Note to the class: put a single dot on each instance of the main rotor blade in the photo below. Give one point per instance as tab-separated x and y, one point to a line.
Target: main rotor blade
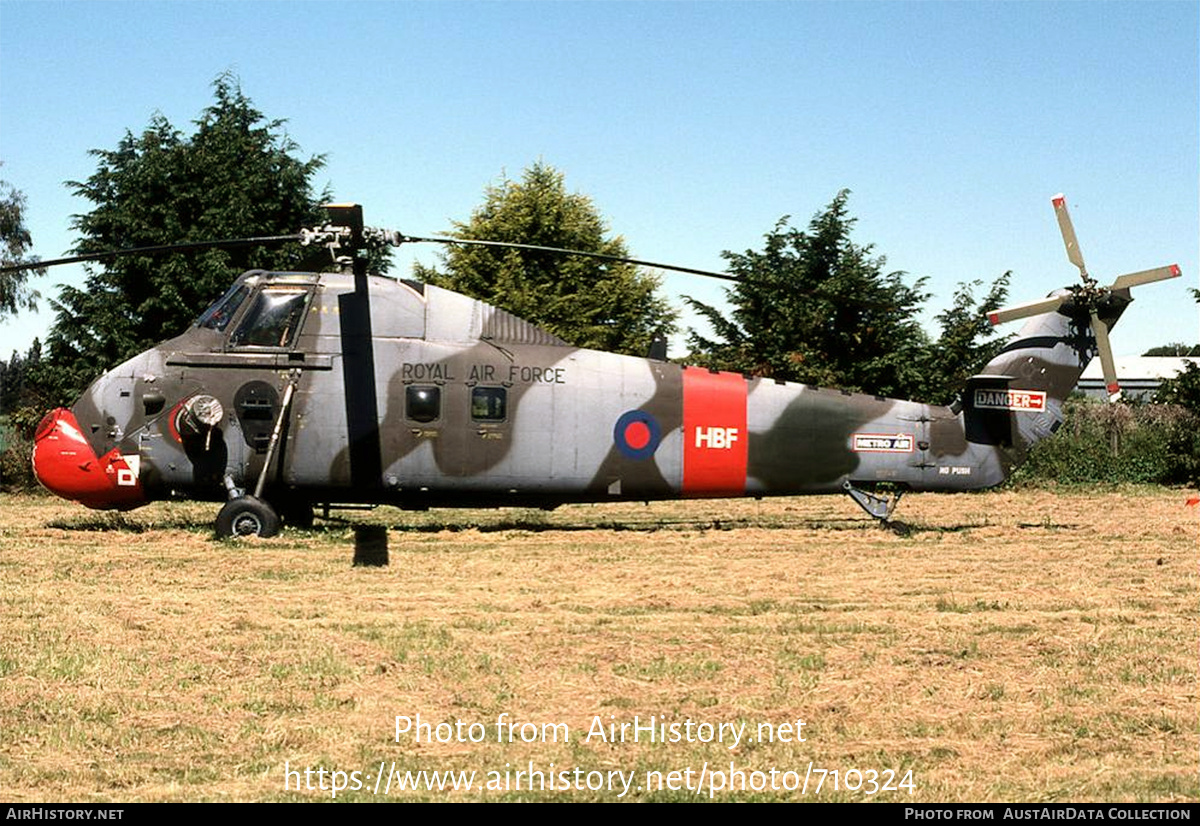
1133	279
229	243
400	238
1031	308
1107	364
597	255
1074	255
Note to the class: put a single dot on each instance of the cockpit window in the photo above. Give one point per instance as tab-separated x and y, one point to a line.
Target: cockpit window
273	319
218	316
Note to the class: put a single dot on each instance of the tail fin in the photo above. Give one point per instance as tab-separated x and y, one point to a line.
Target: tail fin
1018	399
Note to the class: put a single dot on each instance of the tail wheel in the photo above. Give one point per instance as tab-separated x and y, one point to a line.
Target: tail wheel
247	516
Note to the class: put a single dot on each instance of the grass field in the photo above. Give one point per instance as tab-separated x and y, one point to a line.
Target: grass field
1010	646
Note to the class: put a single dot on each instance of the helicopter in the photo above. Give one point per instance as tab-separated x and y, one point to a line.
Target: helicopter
298	390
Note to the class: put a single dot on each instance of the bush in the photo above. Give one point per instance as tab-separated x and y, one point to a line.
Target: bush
1112	443
16	447
1183	389
16	470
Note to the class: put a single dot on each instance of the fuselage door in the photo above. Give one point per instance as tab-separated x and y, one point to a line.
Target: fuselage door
265	336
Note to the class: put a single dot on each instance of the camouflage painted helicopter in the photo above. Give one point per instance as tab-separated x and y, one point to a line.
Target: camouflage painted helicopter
295	390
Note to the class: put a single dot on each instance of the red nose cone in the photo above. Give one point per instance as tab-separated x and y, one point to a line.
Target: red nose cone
65	464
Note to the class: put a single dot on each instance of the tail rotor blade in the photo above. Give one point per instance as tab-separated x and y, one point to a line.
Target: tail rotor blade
1133	279
1106	357
1074	255
1032	308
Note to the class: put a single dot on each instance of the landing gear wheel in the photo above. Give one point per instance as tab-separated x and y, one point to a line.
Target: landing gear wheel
247	516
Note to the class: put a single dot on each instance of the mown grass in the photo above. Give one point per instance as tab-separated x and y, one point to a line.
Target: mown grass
1028	645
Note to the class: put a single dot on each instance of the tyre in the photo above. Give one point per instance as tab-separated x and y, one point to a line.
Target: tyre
247	516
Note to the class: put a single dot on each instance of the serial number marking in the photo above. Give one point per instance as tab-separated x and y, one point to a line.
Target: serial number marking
717	438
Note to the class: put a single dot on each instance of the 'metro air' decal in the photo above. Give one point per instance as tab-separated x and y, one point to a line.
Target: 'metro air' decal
715	441
1033	400
882	443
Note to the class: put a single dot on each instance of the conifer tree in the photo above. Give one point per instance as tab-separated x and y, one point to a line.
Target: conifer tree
815	307
966	343
235	177
812	306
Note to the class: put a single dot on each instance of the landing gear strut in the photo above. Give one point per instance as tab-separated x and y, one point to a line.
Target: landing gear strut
880	507
246	515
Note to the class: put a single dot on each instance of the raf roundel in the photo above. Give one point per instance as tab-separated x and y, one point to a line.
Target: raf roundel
637	434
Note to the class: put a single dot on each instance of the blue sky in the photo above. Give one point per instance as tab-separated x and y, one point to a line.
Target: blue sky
693	126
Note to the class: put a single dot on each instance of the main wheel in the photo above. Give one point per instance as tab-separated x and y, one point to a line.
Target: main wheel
247	516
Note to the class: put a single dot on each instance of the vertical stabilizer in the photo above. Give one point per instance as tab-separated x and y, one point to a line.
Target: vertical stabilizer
1018	399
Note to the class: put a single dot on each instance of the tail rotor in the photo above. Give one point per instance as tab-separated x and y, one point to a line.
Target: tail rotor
1088	296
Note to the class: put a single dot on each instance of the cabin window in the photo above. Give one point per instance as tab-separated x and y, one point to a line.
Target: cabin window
423	404
489	404
218	316
273	319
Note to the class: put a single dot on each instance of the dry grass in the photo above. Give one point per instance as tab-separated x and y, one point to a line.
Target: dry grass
1024	646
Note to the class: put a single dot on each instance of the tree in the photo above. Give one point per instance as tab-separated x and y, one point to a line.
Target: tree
967	342
15	293
15	388
235	177
1183	389
817	308
1175	348
589	303
22	406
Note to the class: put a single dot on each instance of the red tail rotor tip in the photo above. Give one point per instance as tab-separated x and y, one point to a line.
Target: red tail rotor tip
1059	200
1175	271
995	319
1114	388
